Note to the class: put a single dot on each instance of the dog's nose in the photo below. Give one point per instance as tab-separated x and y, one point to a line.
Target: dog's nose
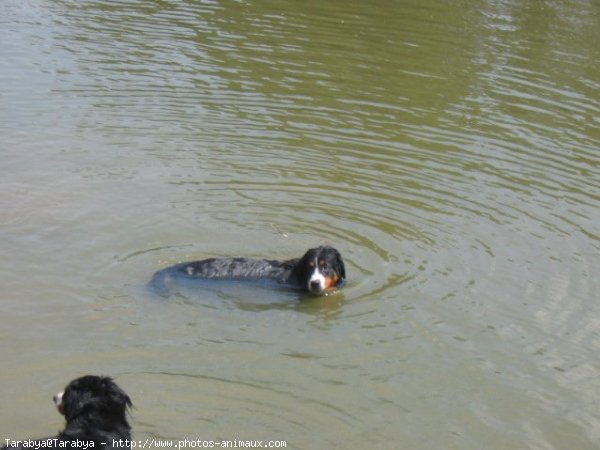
315	286
57	398
58	401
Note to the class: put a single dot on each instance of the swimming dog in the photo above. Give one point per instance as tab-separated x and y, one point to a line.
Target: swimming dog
319	270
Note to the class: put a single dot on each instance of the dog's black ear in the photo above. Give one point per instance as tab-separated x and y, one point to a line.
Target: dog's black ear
340	266
300	268
115	395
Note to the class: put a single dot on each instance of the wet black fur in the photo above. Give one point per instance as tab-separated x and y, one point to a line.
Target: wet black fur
95	409
293	271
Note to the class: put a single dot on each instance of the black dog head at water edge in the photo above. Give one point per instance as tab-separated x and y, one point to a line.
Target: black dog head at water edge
320	269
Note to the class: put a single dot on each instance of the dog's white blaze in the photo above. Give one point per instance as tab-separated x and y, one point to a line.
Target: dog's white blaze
316	276
58	398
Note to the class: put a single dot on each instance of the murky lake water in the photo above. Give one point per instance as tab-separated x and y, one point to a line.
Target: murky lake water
449	151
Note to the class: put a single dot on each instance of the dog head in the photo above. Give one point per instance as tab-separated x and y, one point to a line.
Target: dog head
320	269
92	395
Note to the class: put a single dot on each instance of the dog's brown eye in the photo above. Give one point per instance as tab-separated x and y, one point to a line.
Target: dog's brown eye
311	264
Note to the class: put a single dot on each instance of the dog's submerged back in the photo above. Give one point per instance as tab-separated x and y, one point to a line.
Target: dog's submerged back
318	270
